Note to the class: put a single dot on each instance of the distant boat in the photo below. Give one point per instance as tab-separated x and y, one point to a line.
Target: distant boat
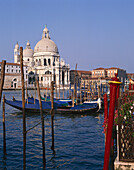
65	101
99	102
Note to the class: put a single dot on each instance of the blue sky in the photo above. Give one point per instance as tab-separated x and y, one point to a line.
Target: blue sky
91	33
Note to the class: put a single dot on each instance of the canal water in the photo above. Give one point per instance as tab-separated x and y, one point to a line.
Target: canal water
79	140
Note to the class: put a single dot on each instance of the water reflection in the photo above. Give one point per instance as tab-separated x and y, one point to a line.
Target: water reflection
79	141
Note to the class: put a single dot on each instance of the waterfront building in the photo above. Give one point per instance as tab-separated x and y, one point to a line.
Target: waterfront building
97	77
130	76
105	74
13	76
44	61
81	76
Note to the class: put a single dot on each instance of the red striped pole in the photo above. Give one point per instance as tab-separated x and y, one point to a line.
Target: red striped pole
114	83
129	88
105	111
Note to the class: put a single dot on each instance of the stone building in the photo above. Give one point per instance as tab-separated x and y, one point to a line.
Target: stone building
44	61
13	76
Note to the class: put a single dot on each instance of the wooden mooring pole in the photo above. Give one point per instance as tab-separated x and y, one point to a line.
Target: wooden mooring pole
23	108
2	77
76	91
26	92
59	89
52	115
99	95
42	120
4	129
35	93
56	91
80	93
63	91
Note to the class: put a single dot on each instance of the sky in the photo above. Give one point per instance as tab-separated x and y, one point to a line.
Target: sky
89	33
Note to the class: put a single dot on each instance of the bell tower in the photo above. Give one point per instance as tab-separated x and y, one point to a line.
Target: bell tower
16	54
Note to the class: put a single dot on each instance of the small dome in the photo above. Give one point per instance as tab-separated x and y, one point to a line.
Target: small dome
46	45
17	46
28	52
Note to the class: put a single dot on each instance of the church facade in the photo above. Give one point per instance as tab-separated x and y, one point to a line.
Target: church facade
44	61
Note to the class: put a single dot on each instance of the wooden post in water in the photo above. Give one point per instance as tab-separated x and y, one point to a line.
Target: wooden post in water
75	81
42	120
88	92
63	90
52	115
80	93
4	129
56	88
26	92
99	92
47	91
56	91
84	91
35	93
23	108
59	90
76	90
2	77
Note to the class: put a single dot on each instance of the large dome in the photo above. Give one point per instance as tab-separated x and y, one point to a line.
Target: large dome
46	45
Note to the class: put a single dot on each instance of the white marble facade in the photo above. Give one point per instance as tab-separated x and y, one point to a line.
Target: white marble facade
45	62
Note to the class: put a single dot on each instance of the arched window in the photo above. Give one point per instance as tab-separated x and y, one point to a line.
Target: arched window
15	79
45	62
49	61
48	72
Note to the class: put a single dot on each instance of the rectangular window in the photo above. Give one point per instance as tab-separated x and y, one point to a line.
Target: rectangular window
12	70
41	78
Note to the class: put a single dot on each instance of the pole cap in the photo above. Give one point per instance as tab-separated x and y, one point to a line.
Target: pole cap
115	80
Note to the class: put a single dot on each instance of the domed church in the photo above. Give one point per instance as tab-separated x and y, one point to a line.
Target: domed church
45	62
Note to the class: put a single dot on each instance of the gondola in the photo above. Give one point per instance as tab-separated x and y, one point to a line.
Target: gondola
59	106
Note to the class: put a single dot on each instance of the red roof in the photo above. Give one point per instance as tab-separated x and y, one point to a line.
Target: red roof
81	71
101	68
13	64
